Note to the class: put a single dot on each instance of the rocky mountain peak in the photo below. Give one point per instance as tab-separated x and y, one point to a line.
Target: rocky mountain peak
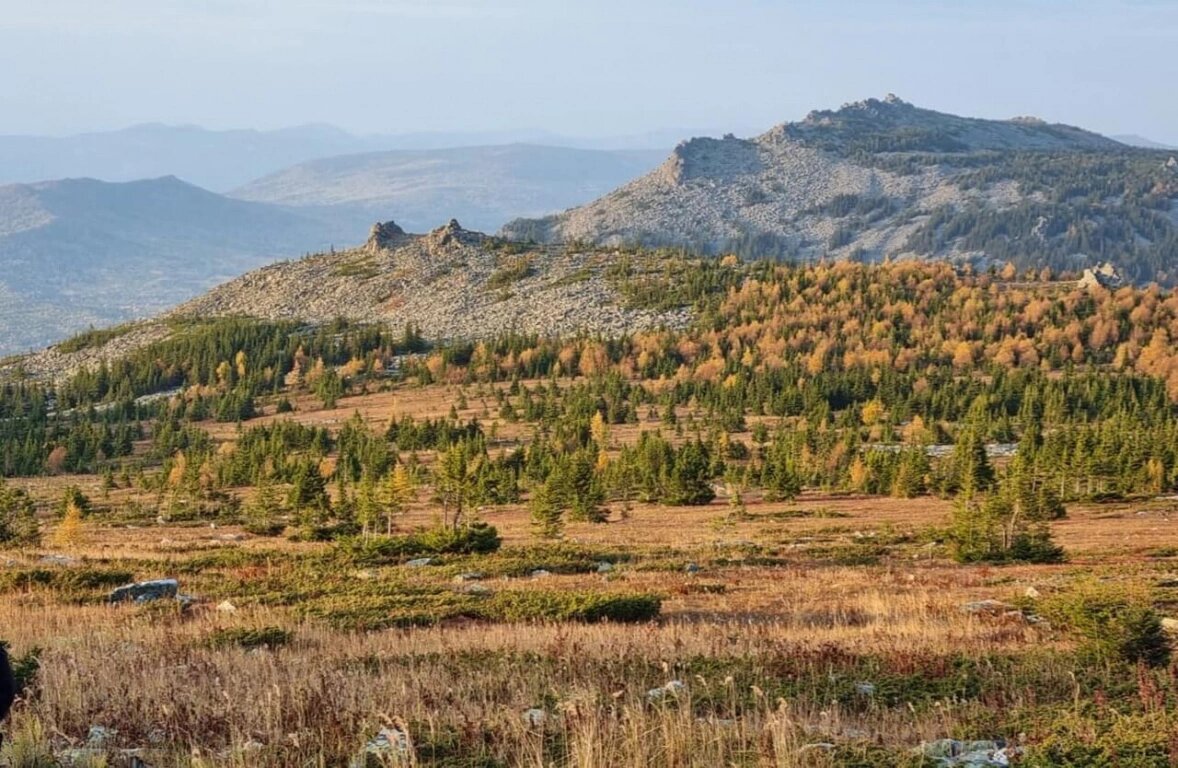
873	179
384	235
443	241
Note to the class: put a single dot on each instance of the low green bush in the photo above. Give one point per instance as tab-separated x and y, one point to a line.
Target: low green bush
571	606
477	538
79	583
1117	621
244	637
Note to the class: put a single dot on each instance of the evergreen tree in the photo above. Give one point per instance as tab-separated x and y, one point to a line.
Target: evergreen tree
308	494
18	519
911	473
973	473
547	515
690	479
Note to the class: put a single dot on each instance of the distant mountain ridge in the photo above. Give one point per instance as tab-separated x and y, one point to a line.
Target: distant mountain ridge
483	186
884	178
221	160
215	160
1133	140
82	252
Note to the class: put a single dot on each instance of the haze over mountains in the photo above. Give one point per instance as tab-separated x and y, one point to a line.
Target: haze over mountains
82	252
484	187
223	160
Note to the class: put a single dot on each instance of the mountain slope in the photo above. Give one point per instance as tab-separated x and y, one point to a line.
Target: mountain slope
882	178
451	283
1133	140
81	252
483	186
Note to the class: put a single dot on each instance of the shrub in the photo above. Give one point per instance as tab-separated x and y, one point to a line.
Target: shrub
1117	621
73	584
476	538
243	637
571	606
18	519
511	272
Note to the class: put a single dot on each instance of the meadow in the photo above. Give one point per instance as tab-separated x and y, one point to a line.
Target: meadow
829	629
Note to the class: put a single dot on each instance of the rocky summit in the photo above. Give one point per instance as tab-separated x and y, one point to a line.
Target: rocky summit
884	178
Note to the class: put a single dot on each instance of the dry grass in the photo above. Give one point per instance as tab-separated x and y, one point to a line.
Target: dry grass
793	605
753	655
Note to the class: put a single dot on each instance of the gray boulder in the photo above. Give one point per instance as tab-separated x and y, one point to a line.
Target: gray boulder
145	591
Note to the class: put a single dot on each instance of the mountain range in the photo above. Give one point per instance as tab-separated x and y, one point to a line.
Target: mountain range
885	179
79	252
872	180
223	160
82	252
481	186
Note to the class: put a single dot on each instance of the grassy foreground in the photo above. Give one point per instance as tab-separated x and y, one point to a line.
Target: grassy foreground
829	630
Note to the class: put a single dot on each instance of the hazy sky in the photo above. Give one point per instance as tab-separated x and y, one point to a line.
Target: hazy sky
581	67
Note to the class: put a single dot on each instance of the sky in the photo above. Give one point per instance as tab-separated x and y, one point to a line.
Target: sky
579	67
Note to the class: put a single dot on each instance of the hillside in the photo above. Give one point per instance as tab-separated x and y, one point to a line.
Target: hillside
883	178
482	186
1141	142
451	283
81	252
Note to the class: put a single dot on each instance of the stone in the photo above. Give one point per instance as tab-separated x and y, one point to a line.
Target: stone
468	576
100	736
81	756
604	567
383	235
420	562
671	689
61	560
987	608
145	591
969	754
691	568
390	743
535	717
540	573
865	689
226	607
824	746
1170	624
1031	593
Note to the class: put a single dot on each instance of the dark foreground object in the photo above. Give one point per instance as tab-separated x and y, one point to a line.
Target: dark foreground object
7	687
7	684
